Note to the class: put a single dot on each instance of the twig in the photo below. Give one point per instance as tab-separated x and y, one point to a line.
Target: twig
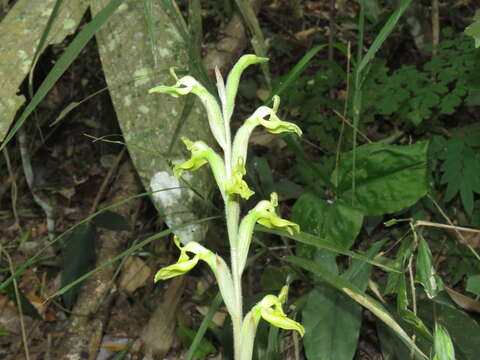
19	304
455	228
14	189
106	181
365	137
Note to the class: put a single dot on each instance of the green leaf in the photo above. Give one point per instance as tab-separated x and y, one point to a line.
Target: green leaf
383	34
463	329
388	178
112	221
425	273
473	30
320	243
406	314
337	223
332	319
357	294
473	284
196	341
78	259
461	171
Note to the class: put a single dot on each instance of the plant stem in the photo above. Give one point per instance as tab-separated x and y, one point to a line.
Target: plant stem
232	208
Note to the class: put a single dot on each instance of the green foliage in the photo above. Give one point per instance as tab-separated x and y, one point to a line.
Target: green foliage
460	166
79	255
410	95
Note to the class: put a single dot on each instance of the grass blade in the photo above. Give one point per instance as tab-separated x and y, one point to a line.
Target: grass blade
298	69
383	34
147	5
320	243
215	304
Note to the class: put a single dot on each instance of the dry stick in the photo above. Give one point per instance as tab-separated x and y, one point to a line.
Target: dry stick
19	304
107	180
452	226
412	287
345	108
13	181
344	119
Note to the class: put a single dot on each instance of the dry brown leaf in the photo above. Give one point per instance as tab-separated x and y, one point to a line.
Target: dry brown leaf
134	275
463	301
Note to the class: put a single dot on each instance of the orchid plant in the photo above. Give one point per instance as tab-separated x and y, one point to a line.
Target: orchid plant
229	172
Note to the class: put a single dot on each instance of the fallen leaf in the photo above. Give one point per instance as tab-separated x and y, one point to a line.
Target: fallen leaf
134	275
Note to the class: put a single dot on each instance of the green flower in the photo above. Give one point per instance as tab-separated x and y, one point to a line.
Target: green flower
187	85
266	117
270	310
264	213
201	154
237	185
184	263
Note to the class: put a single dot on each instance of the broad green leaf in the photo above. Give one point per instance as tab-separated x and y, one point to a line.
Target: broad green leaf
425	273
463	329
388	178
473	284
337	223
332	319
358	295
78	259
112	221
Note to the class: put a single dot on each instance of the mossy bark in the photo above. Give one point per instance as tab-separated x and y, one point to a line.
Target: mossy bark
149	122
20	33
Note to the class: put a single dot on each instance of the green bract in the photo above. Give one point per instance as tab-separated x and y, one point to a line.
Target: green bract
229	172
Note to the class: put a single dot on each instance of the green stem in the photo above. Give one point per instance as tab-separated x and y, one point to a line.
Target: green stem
232	207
